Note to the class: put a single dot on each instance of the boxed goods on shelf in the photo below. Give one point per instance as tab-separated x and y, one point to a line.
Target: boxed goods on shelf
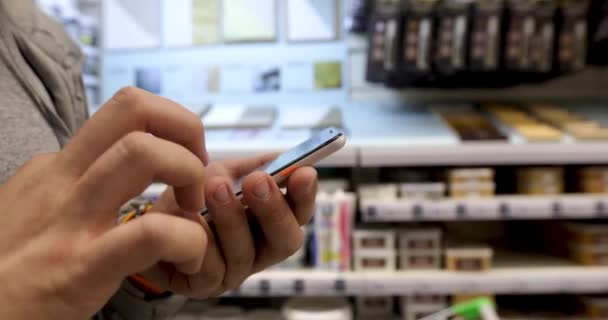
593	180
471	182
376	260
384	191
419	239
373	239
468	258
420	248
374	306
525	125
420	260
423	190
537	181
587	234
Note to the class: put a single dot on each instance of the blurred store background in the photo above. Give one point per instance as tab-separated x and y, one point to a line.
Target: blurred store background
477	156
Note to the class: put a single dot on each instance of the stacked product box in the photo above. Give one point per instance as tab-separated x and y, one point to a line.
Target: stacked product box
422	190
593	180
588	243
333	222
540	181
530	128
385	191
375	307
420	249
468	259
477	182
574	124
418	306
374	250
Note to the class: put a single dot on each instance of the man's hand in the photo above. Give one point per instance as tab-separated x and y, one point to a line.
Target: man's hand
61	255
241	242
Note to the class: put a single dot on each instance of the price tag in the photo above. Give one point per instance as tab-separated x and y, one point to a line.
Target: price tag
394	211
504	210
320	287
418	211
601	209
558	210
461	211
299	287
444	210
578	207
340	287
264	287
483	209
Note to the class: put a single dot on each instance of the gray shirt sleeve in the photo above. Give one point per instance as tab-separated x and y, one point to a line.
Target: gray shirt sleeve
41	105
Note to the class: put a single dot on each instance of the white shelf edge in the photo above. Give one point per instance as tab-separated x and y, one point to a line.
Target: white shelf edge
484	153
512	207
524	280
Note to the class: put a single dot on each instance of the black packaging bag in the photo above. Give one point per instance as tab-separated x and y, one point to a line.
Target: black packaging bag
361	11
414	67
383	42
572	41
450	56
598	32
530	41
486	45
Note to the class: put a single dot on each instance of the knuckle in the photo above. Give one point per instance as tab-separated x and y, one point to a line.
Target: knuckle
151	230
133	145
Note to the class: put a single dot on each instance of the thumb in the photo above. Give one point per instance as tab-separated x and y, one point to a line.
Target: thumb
142	243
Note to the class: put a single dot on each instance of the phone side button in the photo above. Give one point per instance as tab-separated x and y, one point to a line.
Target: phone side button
287	172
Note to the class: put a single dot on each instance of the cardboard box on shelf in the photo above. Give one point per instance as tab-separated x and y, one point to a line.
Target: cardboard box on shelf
468	258
377	239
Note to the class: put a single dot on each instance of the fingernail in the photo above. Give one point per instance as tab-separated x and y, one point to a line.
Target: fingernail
221	195
262	189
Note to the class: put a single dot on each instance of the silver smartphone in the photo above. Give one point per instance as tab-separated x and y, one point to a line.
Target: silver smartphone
318	147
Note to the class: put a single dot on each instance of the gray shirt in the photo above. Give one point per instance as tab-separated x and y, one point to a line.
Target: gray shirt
42	104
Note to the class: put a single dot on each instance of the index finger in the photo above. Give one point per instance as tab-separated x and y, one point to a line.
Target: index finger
131	110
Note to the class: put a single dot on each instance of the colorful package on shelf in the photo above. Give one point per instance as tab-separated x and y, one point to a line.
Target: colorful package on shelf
333	222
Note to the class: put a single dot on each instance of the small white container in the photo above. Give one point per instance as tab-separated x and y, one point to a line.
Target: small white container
385	191
459	175
420	260
317	309
223	313
374	306
374	240
375	260
431	190
419	239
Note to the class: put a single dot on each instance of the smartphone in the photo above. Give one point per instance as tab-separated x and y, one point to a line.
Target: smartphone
318	147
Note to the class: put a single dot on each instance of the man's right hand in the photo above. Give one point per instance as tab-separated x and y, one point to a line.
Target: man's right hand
61	255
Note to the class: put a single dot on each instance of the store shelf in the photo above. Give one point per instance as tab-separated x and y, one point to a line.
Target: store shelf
497	208
379	154
512	280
